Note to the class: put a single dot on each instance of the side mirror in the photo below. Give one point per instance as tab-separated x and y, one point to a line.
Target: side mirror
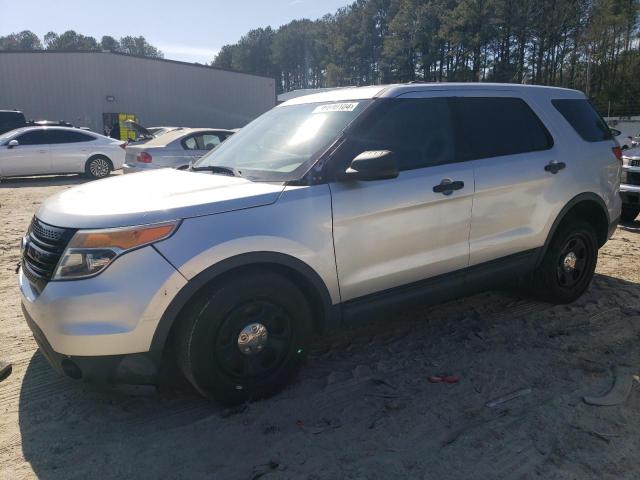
373	165
615	133
13	143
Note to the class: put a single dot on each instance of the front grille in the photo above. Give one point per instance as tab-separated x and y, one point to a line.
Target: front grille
43	247
632	178
634	162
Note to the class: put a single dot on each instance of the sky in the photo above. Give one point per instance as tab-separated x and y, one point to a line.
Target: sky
187	30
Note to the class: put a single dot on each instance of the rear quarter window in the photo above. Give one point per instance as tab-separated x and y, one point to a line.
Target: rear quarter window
584	119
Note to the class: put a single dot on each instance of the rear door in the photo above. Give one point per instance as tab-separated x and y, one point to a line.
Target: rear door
511	150
29	157
390	233
69	150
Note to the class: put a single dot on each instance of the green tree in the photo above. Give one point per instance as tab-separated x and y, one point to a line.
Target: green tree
25	40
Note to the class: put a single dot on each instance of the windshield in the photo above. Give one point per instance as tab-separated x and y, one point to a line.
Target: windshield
281	144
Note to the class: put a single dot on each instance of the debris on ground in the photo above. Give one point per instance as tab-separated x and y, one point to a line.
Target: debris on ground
619	392
5	369
496	402
443	379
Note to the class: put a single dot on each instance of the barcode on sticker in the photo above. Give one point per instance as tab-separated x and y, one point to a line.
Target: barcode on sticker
336	107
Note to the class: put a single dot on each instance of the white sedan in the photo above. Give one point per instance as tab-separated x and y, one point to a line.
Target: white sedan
57	150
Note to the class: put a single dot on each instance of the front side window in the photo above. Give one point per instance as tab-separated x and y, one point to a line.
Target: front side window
497	126
418	130
210	141
584	119
35	137
281	144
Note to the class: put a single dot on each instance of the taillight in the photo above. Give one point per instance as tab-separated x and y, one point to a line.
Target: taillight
144	157
617	151
123	145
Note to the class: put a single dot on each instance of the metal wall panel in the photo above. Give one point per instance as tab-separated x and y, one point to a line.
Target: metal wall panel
74	86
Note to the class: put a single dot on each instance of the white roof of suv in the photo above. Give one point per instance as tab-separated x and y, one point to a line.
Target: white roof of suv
390	91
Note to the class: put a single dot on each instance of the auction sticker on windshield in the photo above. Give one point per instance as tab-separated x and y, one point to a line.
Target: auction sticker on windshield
336	107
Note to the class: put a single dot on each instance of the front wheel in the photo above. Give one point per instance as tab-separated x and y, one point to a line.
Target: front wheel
569	263
629	214
98	167
245	338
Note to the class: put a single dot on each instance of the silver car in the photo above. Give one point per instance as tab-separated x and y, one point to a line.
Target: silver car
326	208
174	149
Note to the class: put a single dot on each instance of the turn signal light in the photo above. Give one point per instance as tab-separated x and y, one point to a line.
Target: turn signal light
617	151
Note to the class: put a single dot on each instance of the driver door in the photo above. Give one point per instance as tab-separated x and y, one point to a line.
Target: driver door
30	157
391	233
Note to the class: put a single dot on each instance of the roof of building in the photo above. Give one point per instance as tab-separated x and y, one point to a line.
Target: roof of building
105	52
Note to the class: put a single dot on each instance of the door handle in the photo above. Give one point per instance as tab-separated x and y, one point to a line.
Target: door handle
42	151
448	186
554	167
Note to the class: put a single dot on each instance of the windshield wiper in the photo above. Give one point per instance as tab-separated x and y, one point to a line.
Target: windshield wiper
217	169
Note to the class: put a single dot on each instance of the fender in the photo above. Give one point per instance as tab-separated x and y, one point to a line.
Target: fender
331	314
587	196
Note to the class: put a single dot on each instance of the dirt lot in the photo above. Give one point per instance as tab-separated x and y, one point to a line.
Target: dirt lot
362	408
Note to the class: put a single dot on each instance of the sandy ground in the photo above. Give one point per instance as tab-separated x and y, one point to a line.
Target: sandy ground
362	408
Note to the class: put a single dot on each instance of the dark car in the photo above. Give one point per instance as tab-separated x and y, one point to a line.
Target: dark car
10	120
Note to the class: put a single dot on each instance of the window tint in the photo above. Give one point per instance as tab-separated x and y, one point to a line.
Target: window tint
497	126
584	119
68	136
34	137
418	130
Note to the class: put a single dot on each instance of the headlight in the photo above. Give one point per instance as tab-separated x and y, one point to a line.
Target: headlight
624	177
91	251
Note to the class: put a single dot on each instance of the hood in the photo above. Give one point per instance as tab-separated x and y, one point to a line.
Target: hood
139	129
152	197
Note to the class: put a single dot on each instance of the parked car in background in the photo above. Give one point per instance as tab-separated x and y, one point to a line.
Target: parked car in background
630	184
325	208
175	149
10	120
57	150
625	141
144	134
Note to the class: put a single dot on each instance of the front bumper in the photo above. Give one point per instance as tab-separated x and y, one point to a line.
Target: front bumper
104	323
137	368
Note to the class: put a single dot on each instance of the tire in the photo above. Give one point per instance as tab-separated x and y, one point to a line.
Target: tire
209	336
568	265
98	167
629	214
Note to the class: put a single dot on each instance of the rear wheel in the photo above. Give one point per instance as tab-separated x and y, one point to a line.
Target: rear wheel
569	263
245	338
98	167
629	214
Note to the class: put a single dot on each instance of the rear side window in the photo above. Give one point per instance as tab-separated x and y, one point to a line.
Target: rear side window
584	119
68	136
418	130
497	126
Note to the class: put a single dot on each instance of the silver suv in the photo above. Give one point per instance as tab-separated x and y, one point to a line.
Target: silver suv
326	208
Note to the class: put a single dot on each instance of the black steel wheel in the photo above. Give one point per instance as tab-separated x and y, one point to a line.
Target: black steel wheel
569	263
245	337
